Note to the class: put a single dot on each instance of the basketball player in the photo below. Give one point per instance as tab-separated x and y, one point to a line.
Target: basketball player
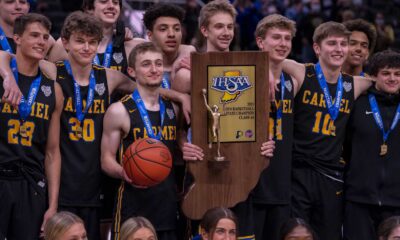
9	11
123	121
163	22
80	145
319	130
271	198
361	44
216	23
29	143
372	184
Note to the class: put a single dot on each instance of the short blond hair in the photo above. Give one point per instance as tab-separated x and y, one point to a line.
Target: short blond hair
275	21
213	7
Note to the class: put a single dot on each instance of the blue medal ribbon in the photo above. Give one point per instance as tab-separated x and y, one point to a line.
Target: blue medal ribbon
145	116
107	56
5	45
362	74
78	98
280	107
378	118
25	105
333	109
165	83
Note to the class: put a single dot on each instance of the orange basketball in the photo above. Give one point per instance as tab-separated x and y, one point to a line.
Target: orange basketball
147	162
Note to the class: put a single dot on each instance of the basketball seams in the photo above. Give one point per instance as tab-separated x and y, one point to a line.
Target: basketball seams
142	163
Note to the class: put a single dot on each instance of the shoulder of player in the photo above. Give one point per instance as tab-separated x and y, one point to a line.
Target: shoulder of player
48	69
116	111
129	45
185	50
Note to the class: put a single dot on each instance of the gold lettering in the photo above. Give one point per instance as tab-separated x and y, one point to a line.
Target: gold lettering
314	100
305	95
6	108
136	131
39	110
69	105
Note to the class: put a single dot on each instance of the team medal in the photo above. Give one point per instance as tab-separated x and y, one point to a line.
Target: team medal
333	108
23	130
379	122
79	131
384	149
80	114
25	105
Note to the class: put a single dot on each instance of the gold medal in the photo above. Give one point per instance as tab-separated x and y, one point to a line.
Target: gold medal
79	131
332	129
384	149
23	130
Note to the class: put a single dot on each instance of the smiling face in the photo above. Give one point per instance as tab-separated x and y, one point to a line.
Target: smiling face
11	9
107	11
358	49
148	69
34	41
388	80
81	48
278	42
332	51
219	32
166	34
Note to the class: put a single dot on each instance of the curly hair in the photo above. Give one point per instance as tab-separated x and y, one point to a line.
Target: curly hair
365	27
80	22
162	10
386	58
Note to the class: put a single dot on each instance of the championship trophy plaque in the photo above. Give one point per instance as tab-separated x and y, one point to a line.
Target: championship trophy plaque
230	107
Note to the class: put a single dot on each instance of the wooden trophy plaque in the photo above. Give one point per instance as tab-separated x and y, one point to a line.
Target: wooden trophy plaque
230	112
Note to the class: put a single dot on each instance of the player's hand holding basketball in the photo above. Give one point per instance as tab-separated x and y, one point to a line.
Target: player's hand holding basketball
192	152
267	148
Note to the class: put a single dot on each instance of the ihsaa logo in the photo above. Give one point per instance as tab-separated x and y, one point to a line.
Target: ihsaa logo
231	84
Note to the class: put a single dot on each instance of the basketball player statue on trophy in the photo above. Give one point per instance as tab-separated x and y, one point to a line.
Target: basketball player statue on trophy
216	126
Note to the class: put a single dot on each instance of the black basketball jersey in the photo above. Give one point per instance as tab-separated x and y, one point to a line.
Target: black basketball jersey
27	149
157	203
318	139
119	60
274	182
80	153
11	43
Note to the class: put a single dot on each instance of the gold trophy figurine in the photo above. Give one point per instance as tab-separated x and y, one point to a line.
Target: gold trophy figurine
216	126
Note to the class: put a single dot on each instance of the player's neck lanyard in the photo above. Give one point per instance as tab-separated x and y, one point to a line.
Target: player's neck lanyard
362	74
5	45
145	116
166	81
280	107
77	93
25	105
107	56
333	109
378	118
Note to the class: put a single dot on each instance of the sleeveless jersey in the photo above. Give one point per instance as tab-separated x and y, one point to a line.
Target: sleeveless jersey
272	188
318	139
81	170
12	45
119	60
27	150
158	203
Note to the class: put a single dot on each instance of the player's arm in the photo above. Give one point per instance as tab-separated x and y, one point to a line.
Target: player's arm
12	93
181	81
52	161
129	45
296	70
361	84
116	124
123	83
56	51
